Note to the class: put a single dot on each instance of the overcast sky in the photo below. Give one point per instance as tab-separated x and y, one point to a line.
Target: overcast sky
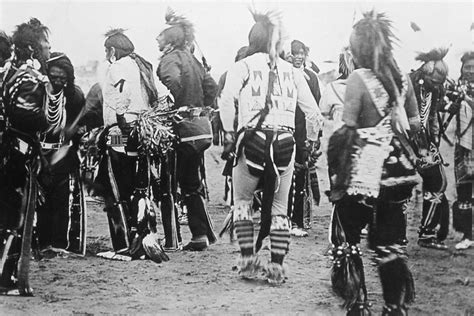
222	27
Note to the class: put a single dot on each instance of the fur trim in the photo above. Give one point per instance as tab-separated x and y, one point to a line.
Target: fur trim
249	267
173	19
275	273
347	275
397	281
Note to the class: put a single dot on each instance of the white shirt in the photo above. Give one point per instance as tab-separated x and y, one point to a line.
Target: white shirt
247	82
122	91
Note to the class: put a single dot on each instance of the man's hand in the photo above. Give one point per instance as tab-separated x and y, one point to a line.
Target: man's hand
122	124
228	152
314	152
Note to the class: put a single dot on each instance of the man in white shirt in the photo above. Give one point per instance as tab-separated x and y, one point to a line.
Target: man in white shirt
267	89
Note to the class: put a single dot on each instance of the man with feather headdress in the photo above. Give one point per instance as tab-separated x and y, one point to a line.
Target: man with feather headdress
124	173
428	82
24	90
267	89
192	87
372	169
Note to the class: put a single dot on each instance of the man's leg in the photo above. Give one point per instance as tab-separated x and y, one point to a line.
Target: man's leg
296	204
395	275
244	185
192	191
60	211
347	273
435	207
166	193
280	227
462	215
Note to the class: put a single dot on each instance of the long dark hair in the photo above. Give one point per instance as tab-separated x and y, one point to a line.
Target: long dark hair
372	42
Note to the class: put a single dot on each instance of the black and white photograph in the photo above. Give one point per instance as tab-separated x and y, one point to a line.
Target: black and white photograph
236	157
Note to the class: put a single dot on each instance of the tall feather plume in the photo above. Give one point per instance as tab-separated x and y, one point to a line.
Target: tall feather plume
173	19
379	38
375	45
434	54
274	20
114	31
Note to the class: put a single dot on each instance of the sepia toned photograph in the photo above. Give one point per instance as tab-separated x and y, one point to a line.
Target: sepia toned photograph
245	157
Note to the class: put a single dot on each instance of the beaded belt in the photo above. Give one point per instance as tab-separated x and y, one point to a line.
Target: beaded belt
118	143
278	128
22	146
53	145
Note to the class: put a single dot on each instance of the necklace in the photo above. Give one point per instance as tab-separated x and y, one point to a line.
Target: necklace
56	110
425	106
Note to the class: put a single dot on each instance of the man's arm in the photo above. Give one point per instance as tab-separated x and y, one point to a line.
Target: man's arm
353	100
235	78
28	114
411	108
209	89
169	73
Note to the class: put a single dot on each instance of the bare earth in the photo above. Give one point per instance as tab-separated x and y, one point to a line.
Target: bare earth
204	282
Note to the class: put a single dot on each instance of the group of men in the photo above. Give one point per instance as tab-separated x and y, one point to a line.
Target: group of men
387	132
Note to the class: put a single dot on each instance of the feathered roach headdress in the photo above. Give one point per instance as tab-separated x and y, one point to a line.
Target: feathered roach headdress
372	43
181	31
29	34
267	34
431	57
434	54
116	38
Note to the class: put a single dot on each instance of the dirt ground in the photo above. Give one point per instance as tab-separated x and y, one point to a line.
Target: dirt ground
204	283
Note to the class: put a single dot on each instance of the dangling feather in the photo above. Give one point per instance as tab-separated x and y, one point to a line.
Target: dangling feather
415	27
347	273
273	20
